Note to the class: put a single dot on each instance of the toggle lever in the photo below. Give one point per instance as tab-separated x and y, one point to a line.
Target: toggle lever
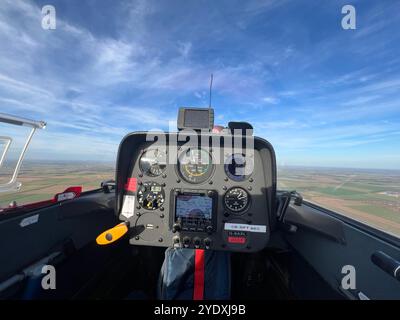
113	234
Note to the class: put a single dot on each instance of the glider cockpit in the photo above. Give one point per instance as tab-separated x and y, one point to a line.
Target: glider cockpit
196	188
208	195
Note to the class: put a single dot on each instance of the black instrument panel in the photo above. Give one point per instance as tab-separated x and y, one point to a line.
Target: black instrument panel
191	196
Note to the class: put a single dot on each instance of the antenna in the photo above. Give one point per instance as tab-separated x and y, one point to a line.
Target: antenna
211	83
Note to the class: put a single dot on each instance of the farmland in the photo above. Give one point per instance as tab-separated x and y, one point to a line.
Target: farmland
370	196
42	180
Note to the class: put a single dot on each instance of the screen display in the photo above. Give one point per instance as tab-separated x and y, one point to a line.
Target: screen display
197	119
193	206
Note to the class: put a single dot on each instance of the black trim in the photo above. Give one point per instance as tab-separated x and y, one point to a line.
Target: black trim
391	239
315	222
21	211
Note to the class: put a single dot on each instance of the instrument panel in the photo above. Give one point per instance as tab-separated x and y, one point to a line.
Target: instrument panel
192	196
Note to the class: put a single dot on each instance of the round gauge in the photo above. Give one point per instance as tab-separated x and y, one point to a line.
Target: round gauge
153	162
195	165
237	167
236	200
151	195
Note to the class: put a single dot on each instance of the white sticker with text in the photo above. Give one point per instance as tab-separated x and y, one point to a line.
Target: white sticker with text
245	227
128	206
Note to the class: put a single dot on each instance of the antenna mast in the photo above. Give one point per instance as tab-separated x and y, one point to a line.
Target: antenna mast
211	83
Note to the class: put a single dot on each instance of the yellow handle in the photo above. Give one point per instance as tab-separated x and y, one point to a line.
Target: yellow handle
113	234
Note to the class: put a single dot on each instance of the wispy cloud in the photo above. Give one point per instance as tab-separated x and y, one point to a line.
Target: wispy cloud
305	84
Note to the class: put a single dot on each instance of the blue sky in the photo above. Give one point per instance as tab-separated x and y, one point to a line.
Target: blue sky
323	96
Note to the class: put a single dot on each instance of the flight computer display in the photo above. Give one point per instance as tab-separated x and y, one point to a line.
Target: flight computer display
194	206
195	210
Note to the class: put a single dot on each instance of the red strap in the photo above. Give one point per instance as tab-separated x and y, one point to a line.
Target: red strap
198	291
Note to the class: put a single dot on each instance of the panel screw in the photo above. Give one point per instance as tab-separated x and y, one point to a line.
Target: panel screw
137	238
249	188
160	240
224	188
164	175
161	216
162	209
178	180
210	182
251	180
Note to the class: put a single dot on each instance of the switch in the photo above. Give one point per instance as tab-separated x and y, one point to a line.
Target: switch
207	243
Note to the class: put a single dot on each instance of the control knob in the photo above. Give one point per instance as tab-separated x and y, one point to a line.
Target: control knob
197	242
207	243
186	242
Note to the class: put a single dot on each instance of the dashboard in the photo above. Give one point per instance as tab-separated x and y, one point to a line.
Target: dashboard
192	190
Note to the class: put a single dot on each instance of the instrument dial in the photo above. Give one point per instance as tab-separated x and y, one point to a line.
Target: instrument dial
237	167
153	162
195	165
237	200
151	195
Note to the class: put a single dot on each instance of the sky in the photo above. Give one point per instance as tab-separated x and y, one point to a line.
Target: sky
322	95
